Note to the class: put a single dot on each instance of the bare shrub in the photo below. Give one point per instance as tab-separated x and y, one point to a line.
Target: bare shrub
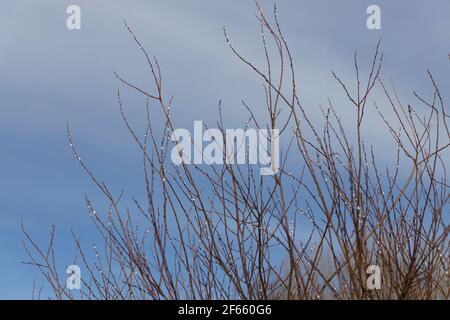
308	232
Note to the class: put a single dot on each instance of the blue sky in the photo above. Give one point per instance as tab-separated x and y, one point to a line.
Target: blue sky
50	75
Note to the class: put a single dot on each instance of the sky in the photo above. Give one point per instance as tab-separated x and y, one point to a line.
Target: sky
50	75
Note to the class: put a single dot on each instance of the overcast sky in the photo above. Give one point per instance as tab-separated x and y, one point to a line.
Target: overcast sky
50	75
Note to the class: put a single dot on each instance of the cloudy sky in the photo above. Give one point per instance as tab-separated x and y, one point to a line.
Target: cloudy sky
50	75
